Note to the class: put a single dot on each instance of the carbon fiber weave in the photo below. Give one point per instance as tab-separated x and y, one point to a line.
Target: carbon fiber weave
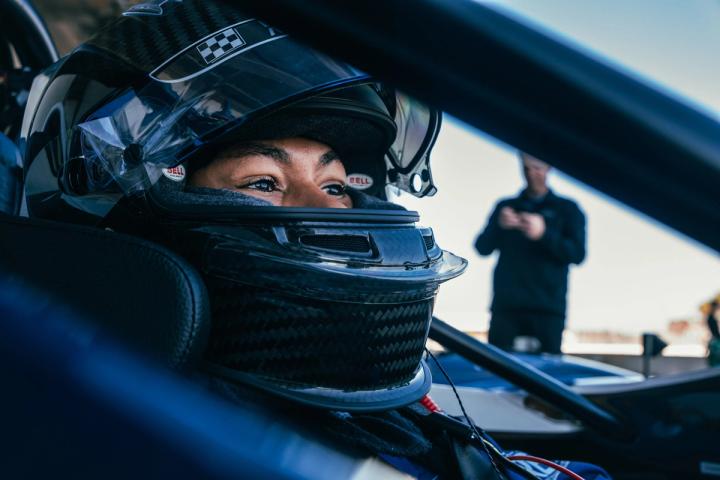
313	342
146	41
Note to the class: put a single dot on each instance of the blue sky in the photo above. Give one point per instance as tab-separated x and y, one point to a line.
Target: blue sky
639	275
672	44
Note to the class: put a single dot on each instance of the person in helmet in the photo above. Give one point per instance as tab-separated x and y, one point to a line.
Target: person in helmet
265	164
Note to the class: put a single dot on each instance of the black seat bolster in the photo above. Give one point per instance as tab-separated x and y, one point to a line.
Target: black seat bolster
138	291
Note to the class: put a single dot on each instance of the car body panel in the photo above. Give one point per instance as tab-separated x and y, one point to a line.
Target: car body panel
568	369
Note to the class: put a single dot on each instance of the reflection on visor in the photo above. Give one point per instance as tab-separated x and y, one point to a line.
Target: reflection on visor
413	117
211	87
418	126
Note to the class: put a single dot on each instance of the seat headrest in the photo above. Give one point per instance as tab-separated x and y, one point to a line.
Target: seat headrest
139	292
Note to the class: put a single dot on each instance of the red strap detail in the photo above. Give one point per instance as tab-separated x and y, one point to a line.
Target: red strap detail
550	464
428	403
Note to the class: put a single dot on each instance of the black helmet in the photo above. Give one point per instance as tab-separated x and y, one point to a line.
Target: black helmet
327	306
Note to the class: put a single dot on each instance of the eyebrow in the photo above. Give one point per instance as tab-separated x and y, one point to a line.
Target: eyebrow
328	157
278	154
252	148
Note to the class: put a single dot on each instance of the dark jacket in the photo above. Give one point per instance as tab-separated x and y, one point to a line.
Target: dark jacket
712	323
532	275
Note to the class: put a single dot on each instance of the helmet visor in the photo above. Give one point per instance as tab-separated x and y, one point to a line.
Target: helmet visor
190	102
409	156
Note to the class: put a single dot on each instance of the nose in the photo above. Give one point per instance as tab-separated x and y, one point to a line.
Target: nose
310	196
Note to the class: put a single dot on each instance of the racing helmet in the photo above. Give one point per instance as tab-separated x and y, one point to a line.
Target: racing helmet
329	307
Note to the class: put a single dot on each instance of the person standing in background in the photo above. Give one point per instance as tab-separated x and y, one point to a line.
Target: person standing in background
709	311
538	235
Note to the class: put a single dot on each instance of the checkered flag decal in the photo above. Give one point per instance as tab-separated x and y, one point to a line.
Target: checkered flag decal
220	45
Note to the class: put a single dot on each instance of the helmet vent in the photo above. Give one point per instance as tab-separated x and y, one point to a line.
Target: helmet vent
341	243
429	241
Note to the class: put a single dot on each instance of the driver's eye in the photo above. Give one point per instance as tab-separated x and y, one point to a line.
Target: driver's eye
266	185
337	189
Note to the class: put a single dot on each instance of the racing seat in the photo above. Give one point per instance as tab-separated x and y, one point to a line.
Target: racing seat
137	291
92	410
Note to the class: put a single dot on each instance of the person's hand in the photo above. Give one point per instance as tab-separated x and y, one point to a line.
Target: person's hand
532	225
509	219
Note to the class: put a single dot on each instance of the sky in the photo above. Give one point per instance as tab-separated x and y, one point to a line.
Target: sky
639	275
